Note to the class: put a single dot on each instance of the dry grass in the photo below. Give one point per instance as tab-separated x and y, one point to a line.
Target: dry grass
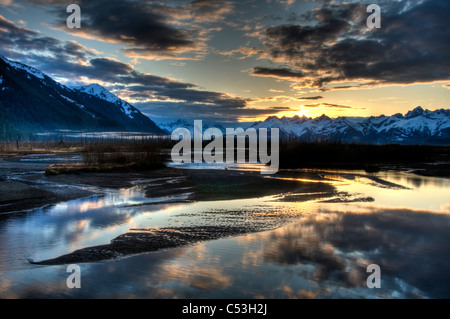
18	147
115	156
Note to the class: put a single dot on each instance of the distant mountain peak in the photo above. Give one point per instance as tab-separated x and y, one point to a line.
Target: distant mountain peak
418	111
323	117
96	89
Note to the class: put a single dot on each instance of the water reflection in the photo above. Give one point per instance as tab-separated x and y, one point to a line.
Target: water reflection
64	227
252	167
410	247
322	253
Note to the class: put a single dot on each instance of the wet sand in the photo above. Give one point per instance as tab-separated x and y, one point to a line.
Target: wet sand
147	240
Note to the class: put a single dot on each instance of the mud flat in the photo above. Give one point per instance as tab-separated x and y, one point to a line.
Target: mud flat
136	241
18	196
77	168
146	241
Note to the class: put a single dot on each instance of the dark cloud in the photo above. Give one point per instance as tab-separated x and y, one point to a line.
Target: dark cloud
144	82
149	29
69	60
342	87
205	97
310	97
331	24
277	72
164	111
134	25
106	66
18	42
335	44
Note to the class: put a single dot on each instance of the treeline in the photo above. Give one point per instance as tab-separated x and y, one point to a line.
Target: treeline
85	143
298	154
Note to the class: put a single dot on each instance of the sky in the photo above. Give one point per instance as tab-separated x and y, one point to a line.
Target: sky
241	60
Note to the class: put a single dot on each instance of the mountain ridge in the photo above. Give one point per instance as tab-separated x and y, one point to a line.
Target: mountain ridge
416	126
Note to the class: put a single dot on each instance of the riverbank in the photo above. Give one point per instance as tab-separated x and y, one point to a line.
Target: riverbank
36	190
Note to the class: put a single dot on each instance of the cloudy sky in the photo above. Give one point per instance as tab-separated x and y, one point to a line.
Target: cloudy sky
241	60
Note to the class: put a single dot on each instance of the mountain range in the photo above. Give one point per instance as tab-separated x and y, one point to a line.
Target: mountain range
31	101
418	126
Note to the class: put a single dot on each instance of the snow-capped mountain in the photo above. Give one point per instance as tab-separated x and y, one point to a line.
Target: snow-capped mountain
31	102
169	127
417	126
102	93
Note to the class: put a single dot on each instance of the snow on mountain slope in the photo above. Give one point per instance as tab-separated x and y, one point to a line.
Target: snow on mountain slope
418	125
304	127
24	67
102	93
31	101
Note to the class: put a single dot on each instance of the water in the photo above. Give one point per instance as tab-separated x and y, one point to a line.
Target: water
321	250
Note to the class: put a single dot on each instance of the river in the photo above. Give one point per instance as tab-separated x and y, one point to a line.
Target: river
397	220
